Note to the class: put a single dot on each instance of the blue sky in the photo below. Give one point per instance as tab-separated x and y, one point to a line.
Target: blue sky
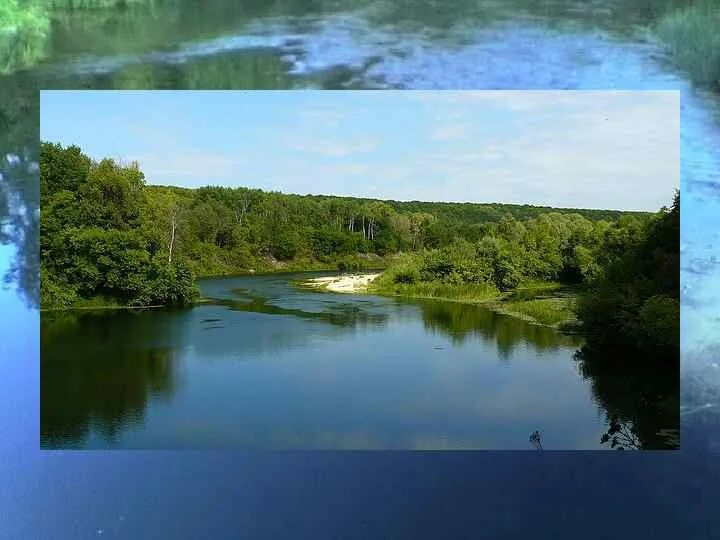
569	149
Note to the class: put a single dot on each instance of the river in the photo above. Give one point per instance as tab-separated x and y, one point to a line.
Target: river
481	45
277	366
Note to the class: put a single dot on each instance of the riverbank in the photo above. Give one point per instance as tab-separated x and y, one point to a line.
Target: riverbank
543	304
690	34
215	265
346	283
554	312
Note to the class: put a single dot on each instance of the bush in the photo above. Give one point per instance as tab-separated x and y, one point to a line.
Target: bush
53	295
507	275
634	302
407	275
350	264
658	323
171	285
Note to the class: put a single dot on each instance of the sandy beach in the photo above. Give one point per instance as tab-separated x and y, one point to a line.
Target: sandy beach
349	283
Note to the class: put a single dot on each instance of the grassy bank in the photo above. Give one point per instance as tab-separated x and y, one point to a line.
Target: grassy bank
689	31
466	292
552	310
692	35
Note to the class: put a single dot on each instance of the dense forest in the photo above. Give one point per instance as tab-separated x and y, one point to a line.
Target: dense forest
108	238
626	272
106	233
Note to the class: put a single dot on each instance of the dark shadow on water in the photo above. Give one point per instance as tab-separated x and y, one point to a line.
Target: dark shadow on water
466	321
640	397
335	313
88	388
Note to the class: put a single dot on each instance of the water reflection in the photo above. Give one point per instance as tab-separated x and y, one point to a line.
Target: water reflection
639	396
87	390
464	321
19	190
267	364
347	314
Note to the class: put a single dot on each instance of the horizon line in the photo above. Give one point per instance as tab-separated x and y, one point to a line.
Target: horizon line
403	200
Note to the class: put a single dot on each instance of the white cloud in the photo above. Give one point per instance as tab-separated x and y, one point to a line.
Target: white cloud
328	148
189	166
450	132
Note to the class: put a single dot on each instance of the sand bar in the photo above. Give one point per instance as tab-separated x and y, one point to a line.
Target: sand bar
346	283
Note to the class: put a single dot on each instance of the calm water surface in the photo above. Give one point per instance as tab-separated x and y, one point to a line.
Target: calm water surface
281	367
459	44
478	45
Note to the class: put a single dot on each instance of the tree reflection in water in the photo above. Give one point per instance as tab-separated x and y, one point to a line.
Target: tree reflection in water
640	397
19	188
463	321
88	391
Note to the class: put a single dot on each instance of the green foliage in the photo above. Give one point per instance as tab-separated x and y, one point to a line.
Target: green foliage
546	311
659	323
693	39
104	233
549	247
55	294
94	237
629	267
462	292
635	300
24	29
353	263
407	275
688	28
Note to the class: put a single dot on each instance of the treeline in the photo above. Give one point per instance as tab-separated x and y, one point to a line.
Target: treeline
551	247
106	234
628	270
102	238
635	300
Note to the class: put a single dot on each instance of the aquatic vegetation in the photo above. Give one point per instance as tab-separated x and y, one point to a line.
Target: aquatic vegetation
688	29
23	33
546	311
692	36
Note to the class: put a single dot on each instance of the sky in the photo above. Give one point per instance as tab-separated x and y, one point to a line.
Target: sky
571	149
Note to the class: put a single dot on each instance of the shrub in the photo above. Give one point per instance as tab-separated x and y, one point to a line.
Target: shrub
53	295
658	323
407	275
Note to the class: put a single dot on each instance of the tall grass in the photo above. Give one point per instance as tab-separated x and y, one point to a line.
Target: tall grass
547	311
23	33
692	34
463	292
